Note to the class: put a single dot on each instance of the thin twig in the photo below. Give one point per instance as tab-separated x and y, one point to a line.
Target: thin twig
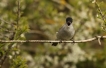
14	35
102	16
3	20
79	27
18	13
2	60
51	41
100	11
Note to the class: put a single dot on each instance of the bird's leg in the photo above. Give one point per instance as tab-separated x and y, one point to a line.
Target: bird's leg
60	41
72	40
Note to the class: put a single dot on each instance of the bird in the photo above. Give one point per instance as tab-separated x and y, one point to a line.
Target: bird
66	32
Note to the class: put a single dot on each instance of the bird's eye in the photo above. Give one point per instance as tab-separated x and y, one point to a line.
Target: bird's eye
69	19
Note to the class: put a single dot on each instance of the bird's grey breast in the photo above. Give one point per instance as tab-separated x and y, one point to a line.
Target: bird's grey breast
65	33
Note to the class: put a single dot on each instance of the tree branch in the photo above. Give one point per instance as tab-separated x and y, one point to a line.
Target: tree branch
51	41
100	11
13	37
102	16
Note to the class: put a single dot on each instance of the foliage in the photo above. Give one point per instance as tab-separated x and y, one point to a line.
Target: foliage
17	62
40	19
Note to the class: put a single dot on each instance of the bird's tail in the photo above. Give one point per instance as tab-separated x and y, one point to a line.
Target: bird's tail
54	44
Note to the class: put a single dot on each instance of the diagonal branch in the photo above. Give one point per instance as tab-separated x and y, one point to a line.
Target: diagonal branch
100	11
13	37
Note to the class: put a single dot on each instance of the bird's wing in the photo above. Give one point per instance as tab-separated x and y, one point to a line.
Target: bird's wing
60	29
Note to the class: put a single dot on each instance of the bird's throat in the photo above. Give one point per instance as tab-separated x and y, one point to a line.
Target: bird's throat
68	24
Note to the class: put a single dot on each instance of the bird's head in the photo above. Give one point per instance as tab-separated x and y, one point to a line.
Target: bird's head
69	21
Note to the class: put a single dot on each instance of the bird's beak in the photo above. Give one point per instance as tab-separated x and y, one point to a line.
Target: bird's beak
68	23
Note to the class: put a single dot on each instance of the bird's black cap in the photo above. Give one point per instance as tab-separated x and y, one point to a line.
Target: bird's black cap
69	20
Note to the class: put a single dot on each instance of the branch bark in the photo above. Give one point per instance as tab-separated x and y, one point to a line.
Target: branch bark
51	41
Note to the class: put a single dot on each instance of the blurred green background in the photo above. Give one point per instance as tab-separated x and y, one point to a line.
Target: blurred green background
40	20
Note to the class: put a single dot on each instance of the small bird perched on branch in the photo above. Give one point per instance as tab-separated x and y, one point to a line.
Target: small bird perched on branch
66	32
